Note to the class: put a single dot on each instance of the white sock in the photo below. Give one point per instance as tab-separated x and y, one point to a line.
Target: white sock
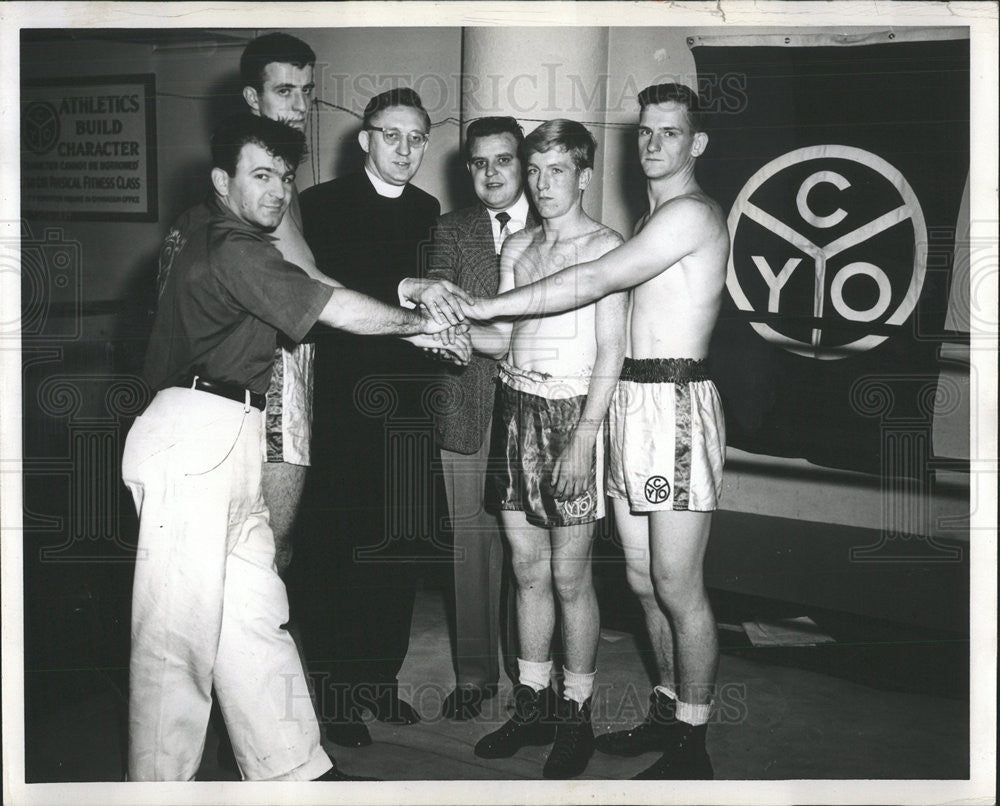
693	713
578	686
534	674
667	692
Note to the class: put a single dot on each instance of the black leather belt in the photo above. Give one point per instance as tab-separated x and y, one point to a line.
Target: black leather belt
227	390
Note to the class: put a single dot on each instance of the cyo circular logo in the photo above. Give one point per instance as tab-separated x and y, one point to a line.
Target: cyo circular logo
828	242
39	127
579	507
657	489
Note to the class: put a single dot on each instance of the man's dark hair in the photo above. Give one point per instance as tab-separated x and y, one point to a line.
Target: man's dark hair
277	139
679	93
566	135
486	127
273	48
401	96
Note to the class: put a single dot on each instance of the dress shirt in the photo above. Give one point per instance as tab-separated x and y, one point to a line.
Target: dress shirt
518	213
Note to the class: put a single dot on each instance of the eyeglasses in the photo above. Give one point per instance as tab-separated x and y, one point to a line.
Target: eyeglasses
391	136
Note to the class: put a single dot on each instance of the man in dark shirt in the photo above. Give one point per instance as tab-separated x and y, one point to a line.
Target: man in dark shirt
357	590
208	604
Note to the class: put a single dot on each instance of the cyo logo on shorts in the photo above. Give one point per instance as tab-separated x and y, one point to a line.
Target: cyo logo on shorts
824	237
580	507
657	489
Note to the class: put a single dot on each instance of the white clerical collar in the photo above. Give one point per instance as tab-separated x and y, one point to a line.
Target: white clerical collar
382	187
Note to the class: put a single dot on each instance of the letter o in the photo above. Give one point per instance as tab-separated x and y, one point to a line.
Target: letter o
884	292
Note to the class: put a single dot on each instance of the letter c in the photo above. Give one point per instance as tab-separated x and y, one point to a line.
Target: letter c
802	199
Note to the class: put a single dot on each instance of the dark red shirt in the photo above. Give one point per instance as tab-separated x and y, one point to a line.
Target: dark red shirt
225	293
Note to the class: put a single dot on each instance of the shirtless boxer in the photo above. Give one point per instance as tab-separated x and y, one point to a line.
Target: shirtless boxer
277	73
667	428
556	383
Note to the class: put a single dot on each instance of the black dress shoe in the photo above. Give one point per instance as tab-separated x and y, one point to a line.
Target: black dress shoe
466	702
348	732
685	759
533	723
334	774
574	743
652	734
389	708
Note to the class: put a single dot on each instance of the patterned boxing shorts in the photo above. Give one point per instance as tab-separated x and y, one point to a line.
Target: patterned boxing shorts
668	436
288	421
539	415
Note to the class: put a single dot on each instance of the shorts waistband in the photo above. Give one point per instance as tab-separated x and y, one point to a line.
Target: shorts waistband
664	370
541	384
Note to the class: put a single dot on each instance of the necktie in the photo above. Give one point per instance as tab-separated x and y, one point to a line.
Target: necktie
503	219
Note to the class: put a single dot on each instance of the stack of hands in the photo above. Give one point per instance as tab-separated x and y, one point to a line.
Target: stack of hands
446	309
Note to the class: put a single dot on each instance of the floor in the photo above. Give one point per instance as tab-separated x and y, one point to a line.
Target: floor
879	702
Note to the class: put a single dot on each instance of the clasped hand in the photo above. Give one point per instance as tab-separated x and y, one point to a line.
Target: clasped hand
450	344
445	335
443	301
444	307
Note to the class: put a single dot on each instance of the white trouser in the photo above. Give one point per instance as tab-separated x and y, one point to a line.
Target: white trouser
207	603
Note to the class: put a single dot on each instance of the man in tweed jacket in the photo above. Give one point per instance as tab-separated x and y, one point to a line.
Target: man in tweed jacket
465	251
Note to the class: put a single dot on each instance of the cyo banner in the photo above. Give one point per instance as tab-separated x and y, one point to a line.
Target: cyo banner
842	174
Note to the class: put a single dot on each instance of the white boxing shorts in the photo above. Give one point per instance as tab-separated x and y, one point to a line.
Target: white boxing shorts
668	436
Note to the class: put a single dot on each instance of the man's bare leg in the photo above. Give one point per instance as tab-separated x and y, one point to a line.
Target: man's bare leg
677	546
653	732
534	700
574	587
282	484
581	629
633	531
531	558
677	552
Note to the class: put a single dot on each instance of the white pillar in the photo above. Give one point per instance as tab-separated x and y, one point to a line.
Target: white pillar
539	74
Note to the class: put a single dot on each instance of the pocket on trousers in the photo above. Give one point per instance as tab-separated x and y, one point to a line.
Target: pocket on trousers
210	445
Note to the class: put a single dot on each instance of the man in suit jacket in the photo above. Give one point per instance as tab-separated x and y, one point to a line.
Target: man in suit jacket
465	251
355	593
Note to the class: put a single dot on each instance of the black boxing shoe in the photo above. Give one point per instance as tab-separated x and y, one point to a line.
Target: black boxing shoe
685	759
574	742
533	723
651	734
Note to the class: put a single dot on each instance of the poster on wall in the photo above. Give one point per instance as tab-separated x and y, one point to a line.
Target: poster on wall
88	148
